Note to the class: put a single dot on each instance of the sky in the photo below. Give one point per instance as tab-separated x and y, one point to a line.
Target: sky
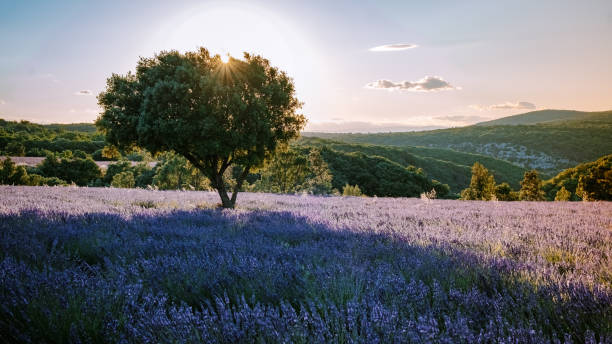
358	66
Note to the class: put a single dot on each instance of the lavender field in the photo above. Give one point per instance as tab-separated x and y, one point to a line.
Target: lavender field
137	266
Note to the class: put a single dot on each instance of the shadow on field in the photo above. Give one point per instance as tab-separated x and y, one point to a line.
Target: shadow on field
79	267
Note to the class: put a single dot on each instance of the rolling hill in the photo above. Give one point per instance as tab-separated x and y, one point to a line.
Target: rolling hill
548	147
569	178
447	166
546	116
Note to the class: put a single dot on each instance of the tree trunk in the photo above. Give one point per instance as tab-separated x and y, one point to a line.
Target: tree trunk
238	185
226	202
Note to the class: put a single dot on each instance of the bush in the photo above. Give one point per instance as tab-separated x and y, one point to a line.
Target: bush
15	149
78	171
503	192
123	180
38	180
114	169
12	174
563	195
349	190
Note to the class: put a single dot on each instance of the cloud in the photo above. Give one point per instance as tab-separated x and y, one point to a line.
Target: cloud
427	84
518	105
394	47
83	93
461	118
2	102
506	106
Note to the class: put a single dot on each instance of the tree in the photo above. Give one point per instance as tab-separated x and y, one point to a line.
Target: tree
291	171
319	178
175	172
284	173
596	183
482	185
214	114
563	195
531	187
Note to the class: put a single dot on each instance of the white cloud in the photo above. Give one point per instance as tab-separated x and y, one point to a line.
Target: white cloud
394	47
84	93
427	84
518	105
506	106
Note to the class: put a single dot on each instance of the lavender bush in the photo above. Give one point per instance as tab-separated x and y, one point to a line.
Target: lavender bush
137	266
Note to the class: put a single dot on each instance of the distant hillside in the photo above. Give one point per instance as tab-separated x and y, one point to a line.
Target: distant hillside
88	128
548	147
447	166
46	129
546	116
32	139
569	177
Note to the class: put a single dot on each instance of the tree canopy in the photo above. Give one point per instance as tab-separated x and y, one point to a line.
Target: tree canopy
482	185
531	187
214	114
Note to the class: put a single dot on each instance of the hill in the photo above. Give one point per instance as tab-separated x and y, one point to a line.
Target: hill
88	128
47	129
548	147
569	178
32	139
545	116
444	165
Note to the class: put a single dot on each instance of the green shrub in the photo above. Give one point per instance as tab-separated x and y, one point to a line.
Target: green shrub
563	195
503	192
349	190
15	149
123	180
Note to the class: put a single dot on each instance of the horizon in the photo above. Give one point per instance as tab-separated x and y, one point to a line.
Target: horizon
372	68
356	127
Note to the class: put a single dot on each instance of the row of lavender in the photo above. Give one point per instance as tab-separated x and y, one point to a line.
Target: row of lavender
116	265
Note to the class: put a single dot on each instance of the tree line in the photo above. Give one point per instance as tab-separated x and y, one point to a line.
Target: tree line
588	182
291	170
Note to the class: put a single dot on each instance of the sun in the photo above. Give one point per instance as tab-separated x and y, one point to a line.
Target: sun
225	58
